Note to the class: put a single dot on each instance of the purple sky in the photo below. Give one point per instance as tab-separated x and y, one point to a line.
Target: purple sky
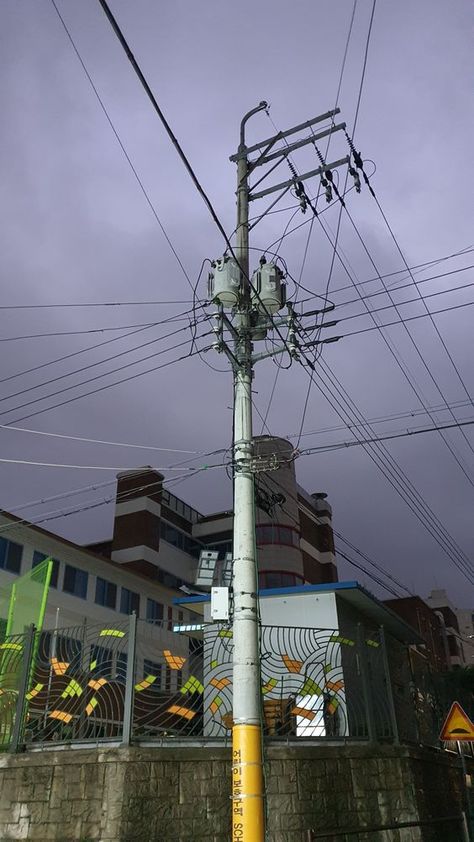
76	227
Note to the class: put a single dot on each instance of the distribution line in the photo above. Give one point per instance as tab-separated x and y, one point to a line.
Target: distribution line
119	141
403	303
60	513
391	469
110	385
101	362
381	328
97	377
101	441
76	353
94	486
381	419
398	480
388	437
97	467
298	283
271	478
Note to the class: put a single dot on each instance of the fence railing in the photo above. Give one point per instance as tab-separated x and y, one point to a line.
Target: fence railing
140	681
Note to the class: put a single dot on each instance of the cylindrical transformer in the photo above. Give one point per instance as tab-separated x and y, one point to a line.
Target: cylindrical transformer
224	282
269	291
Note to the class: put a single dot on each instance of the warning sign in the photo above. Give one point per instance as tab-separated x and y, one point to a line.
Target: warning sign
457	725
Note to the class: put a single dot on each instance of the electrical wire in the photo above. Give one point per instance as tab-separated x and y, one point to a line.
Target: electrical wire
122	147
117	383
93	365
386	437
98	362
100	441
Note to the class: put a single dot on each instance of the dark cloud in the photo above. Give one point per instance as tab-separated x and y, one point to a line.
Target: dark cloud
75	226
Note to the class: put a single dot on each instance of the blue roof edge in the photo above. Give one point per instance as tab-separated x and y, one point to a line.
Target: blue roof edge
327	586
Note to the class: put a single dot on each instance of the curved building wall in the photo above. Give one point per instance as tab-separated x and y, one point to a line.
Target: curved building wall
280	559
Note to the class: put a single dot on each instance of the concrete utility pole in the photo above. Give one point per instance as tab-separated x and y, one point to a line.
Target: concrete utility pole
253	302
247	771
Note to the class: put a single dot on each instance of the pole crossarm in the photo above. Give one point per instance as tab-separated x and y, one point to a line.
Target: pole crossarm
286	150
304	177
243	153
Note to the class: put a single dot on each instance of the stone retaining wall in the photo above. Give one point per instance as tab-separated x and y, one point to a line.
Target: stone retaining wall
167	794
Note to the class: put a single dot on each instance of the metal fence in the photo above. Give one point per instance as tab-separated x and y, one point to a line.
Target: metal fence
140	681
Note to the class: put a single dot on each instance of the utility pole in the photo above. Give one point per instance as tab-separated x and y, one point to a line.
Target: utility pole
247	759
253	300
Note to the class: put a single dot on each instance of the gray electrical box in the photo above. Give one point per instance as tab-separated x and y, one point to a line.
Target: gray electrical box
219	604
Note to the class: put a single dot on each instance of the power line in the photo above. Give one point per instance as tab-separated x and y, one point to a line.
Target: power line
110	385
382	419
409	319
93	365
396	477
119	141
82	351
101	441
388	437
377	292
69	305
403	303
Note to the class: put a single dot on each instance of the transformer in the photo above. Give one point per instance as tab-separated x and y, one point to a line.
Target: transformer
224	282
269	291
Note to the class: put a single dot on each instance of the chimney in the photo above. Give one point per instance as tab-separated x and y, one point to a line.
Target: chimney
136	538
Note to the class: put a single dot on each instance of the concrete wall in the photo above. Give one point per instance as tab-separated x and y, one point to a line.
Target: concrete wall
165	794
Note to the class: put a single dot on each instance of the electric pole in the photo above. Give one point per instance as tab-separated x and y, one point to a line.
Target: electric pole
247	759
253	302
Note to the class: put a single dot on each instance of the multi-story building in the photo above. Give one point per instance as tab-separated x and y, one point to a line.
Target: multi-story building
160	536
157	539
458	628
418	614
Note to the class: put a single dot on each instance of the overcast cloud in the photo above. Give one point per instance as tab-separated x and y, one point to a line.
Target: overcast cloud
75	227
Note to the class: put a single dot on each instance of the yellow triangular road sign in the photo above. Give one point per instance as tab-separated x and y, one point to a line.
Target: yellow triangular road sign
457	725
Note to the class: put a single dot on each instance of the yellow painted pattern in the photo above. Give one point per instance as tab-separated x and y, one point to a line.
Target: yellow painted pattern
97	683
306	714
186	713
111	633
193	685
59	667
335	685
61	715
175	662
147	682
291	664
34	691
220	683
92	704
73	689
269	685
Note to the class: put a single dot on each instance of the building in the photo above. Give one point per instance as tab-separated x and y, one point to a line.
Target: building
458	628
333	664
418	614
160	536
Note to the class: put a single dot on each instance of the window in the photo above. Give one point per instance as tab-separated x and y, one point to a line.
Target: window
38	558
154	611
276	534
105	593
10	555
75	581
153	668
279	579
121	668
44	647
101	661
65	649
129	602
